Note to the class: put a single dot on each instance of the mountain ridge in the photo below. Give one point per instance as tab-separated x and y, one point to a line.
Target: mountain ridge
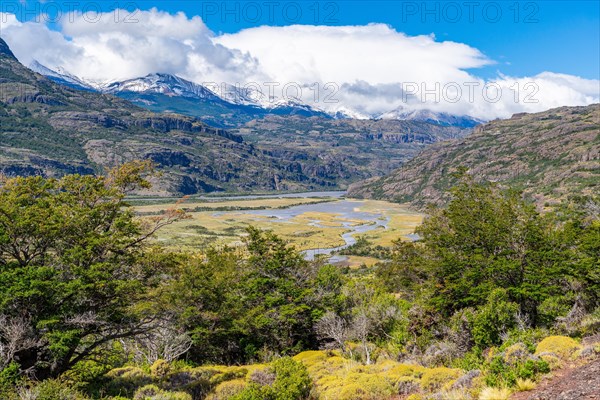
50	129
549	155
207	102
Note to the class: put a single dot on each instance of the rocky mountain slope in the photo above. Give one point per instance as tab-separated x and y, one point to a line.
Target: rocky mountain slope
52	129
548	155
359	149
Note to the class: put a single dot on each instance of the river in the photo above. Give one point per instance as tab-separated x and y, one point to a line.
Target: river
346	209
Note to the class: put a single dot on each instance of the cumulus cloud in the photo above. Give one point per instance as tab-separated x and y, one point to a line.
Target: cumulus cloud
371	69
121	45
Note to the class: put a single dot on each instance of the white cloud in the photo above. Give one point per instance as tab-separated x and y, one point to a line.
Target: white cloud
376	68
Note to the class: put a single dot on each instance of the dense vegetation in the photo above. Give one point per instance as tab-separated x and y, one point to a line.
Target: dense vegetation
493	295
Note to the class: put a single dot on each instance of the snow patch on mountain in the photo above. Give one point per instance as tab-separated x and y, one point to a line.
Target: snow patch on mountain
236	95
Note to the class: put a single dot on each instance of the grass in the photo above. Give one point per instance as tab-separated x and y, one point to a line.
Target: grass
490	393
207	226
525	385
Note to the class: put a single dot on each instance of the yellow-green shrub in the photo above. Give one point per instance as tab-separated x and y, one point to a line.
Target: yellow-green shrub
153	392
228	389
401	370
124	381
515	353
358	386
434	378
562	346
310	358
160	369
52	389
553	361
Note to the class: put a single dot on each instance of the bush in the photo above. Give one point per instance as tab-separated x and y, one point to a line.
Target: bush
434	378
291	379
291	382
562	346
153	392
9	376
52	389
516	353
255	392
492	319
360	386
124	381
552	360
502	374
160	369
229	389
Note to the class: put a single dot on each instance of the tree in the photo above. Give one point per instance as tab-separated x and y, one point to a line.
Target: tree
74	265
486	239
277	291
370	316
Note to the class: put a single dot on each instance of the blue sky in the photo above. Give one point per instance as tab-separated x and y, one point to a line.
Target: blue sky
380	56
524	38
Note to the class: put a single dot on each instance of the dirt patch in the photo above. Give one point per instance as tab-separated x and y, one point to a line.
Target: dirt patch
571	383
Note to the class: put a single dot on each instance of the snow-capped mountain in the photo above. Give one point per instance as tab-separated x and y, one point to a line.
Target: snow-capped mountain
440	118
347	113
169	85
60	76
243	96
229	105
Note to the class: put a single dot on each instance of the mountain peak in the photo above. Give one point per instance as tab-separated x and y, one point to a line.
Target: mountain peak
5	50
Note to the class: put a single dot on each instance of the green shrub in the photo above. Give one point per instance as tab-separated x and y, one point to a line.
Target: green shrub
503	374
9	376
292	382
255	392
495	317
291	379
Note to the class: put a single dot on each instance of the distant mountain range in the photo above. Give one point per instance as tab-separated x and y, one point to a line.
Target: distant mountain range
50	127
549	155
231	105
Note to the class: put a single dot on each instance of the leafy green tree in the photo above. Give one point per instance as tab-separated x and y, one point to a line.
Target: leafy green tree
243	304
486	239
406	271
276	295
74	266
205	300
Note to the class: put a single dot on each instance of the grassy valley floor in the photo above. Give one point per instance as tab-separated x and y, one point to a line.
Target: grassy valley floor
307	223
